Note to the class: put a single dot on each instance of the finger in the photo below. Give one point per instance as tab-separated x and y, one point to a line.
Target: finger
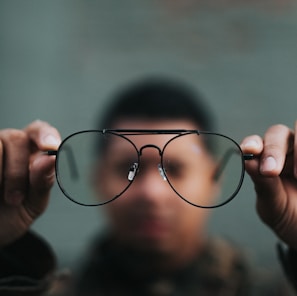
252	144
15	164
42	167
43	135
42	176
273	158
278	143
271	195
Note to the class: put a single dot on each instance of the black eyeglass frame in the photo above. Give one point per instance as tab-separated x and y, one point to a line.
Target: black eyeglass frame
123	133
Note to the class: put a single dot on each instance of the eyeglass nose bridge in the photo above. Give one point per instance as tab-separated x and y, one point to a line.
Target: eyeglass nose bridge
150	146
160	168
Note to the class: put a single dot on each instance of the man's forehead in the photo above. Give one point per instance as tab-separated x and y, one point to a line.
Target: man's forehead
159	140
135	123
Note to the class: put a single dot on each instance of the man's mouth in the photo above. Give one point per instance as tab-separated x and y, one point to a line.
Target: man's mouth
151	228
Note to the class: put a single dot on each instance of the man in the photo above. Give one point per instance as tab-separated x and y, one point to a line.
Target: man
156	243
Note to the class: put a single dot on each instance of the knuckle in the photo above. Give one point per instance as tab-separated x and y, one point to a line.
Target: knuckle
273	149
14	136
280	126
278	129
38	128
38	122
54	131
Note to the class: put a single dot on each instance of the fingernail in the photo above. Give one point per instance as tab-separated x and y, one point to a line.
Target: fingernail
251	144
269	164
50	140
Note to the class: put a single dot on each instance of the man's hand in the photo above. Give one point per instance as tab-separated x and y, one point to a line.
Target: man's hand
274	173
26	177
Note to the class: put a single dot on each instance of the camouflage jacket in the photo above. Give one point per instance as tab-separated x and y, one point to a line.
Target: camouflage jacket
28	268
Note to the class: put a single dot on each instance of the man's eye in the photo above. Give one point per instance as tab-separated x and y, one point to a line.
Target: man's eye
122	167
174	169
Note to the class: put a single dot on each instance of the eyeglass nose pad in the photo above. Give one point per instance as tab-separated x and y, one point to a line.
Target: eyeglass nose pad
132	171
162	173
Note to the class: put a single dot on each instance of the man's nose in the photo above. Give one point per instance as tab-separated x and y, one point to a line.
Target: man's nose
151	183
134	170
150	180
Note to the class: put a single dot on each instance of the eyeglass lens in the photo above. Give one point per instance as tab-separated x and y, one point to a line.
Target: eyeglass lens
94	168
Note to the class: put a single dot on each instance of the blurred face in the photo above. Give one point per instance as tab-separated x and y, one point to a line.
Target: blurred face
150	216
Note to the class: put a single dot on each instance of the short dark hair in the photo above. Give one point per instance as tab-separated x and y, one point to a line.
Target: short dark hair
157	99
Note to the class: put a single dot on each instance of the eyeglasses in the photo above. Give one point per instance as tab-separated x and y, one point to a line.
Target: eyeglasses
95	167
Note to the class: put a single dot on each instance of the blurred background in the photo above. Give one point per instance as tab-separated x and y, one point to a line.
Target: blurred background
61	60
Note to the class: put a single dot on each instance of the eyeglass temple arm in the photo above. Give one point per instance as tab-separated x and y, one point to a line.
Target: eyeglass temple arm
70	159
225	159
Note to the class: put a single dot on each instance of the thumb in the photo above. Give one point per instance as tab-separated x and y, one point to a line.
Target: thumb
42	177
272	200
